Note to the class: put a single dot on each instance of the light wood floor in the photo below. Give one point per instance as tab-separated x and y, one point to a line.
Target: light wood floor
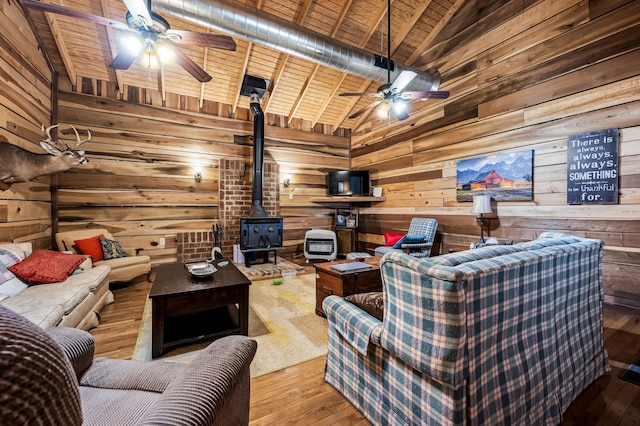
299	396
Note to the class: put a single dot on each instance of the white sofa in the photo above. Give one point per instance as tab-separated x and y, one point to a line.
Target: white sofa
75	302
123	269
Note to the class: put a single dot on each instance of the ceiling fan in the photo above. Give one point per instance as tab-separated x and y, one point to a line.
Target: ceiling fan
152	36
391	94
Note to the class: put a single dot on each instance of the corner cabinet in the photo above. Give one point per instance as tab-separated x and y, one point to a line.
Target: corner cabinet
347	236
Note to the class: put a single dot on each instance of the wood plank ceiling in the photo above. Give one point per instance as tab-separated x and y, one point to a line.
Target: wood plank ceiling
298	89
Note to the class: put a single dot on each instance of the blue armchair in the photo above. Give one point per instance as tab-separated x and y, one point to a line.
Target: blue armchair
417	242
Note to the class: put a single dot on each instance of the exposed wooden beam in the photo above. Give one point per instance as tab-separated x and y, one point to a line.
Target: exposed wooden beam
62	47
298	101
241	75
104	5
284	57
205	58
407	26
354	101
331	94
436	30
328	99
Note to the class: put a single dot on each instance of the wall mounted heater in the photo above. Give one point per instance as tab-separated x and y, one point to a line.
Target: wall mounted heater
320	244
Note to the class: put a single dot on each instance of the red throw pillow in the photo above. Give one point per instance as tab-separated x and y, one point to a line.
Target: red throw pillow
46	266
91	246
390	239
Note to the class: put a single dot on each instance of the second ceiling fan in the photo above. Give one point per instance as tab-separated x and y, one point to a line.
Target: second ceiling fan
391	94
151	36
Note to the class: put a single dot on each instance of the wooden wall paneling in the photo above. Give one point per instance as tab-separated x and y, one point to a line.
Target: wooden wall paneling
139	227
135	198
136	213
25	104
142	158
600	7
597	74
38	232
33	191
621	284
555	25
556	73
125	169
613	94
185	182
17	37
507	28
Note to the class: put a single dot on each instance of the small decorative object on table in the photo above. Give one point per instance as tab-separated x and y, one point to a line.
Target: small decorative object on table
201	270
289	274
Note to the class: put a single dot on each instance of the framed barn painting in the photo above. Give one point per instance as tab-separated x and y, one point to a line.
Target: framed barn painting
504	177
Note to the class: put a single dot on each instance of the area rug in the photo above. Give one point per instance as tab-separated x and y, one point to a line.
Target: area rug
282	320
632	373
262	271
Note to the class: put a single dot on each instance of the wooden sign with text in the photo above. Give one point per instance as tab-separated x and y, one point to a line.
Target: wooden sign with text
592	168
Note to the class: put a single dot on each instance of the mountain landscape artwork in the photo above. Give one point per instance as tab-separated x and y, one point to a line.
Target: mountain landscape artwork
504	177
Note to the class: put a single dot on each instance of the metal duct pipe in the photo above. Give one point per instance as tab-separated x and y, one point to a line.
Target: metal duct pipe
257	210
259	27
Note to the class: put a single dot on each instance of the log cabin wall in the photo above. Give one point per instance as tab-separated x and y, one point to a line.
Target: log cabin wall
139	182
25	104
523	75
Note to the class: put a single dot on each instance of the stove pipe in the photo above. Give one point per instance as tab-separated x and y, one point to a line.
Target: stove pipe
258	157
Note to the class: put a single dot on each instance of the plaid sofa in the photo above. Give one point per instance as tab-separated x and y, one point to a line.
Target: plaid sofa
497	335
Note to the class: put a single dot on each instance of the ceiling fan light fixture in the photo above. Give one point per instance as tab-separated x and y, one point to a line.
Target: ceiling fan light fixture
133	44
399	106
166	55
383	110
150	60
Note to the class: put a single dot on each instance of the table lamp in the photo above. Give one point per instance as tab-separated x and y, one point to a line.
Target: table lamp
481	205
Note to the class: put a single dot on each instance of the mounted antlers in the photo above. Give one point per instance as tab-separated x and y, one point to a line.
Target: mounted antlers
58	142
20	165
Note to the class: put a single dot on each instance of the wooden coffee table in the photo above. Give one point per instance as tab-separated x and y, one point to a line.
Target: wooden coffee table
329	281
187	309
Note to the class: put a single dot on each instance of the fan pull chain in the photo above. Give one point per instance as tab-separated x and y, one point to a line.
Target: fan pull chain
149	66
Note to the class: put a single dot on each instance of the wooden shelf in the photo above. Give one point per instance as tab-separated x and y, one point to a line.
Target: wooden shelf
347	200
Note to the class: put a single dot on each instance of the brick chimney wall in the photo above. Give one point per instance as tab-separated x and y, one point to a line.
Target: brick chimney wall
235	202
194	246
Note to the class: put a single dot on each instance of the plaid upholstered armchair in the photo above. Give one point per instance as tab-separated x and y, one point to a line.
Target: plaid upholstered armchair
499	335
49	377
417	242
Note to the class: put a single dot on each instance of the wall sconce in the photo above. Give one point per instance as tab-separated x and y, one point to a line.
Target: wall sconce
286	181
197	175
481	205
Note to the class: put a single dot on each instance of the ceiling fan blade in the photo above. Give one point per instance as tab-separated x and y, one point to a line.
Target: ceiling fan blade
423	96
402	80
374	95
138	9
123	60
191	67
366	109
215	41
60	10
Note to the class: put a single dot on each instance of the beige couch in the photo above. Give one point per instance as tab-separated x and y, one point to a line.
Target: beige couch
74	302
123	269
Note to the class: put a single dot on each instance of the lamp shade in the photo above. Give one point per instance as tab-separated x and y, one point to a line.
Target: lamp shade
481	204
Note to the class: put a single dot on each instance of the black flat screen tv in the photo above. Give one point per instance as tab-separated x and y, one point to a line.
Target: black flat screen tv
348	183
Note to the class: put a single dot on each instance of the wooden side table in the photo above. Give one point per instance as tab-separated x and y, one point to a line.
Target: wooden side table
329	281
